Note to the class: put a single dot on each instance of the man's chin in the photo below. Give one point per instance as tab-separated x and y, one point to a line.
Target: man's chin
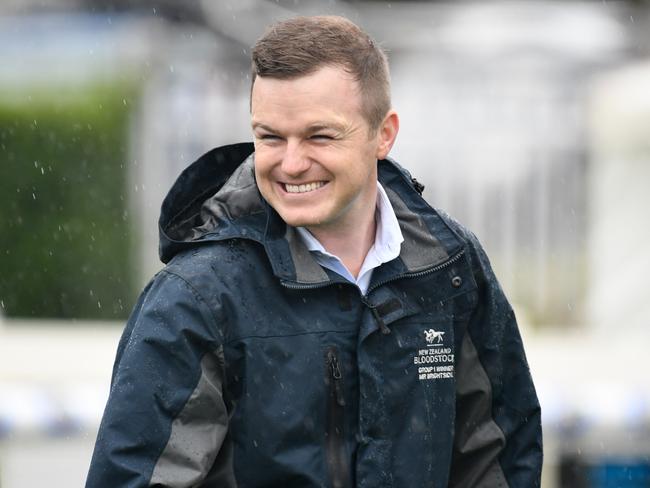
300	220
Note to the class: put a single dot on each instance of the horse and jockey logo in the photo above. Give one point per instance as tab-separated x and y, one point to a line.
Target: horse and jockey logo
433	336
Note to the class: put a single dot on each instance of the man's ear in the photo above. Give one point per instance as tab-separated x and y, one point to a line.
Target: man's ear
387	133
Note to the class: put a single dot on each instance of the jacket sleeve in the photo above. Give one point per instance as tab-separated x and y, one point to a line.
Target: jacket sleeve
166	419
498	436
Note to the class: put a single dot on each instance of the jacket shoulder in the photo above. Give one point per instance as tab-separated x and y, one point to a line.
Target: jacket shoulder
212	264
466	236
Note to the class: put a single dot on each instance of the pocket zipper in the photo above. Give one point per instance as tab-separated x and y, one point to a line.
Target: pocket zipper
335	439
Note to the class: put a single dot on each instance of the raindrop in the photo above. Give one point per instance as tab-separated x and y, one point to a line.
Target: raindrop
33	196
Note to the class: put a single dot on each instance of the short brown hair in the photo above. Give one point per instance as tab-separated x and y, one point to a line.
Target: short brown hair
301	45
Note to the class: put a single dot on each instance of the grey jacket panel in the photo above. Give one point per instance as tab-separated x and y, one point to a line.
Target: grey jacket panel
198	432
479	440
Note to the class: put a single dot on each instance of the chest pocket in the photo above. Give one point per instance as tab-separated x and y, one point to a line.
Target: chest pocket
419	353
418	361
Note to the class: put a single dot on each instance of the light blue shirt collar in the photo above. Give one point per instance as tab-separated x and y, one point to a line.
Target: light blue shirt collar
387	245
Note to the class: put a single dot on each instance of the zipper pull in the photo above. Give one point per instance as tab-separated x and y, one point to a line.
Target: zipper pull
382	326
417	186
335	372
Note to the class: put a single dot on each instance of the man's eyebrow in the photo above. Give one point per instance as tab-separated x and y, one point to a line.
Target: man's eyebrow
315	127
259	125
325	126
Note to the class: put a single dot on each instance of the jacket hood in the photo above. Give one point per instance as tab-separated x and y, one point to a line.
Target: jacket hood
216	198
208	199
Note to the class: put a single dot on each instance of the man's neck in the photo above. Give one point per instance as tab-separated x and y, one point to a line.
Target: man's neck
349	243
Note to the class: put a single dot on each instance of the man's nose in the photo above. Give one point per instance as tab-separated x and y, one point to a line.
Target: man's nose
295	160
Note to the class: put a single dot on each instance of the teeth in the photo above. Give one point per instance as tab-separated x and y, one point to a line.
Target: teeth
304	188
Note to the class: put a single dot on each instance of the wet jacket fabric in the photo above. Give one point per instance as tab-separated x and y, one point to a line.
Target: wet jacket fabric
246	364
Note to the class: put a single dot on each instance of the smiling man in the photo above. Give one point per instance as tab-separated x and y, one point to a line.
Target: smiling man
317	323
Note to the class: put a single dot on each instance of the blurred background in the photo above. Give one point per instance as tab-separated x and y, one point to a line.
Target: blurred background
527	121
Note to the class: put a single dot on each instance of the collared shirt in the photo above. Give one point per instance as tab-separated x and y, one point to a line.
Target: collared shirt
388	241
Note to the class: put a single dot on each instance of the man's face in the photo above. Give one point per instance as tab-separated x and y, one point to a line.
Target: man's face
315	159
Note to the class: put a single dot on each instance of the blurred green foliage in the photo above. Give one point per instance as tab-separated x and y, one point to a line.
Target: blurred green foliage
66	249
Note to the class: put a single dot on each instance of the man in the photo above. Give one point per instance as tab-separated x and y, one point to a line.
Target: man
317	323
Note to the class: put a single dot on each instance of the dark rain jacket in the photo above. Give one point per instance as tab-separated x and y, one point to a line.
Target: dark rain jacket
245	363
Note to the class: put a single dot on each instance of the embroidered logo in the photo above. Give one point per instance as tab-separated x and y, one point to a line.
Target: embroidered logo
436	361
432	336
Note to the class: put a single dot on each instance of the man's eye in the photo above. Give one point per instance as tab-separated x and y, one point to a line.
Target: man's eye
321	137
268	137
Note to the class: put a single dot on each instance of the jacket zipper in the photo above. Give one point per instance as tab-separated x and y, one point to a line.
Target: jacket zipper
418	274
337	461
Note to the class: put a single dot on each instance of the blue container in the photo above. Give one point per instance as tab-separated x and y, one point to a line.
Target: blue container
632	473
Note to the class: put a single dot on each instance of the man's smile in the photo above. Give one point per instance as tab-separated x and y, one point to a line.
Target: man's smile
305	187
